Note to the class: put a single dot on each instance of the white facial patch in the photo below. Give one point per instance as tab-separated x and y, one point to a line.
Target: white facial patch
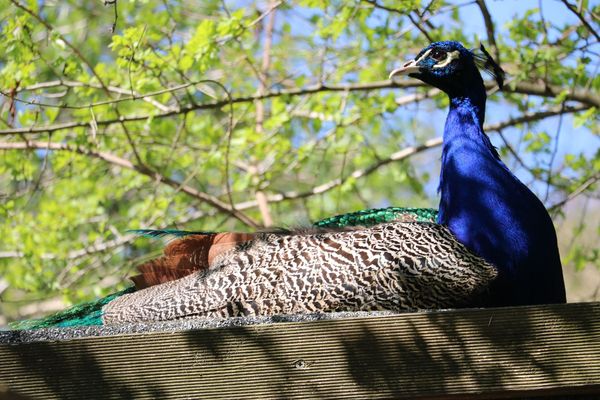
423	56
453	55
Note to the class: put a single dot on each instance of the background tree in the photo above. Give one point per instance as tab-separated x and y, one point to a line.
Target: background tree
225	115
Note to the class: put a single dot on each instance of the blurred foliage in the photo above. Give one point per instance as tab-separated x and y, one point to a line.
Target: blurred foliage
65	210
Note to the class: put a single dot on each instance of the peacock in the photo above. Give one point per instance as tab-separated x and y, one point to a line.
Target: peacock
491	243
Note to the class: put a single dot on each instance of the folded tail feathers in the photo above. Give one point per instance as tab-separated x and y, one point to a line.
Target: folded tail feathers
158	233
151	278
189	253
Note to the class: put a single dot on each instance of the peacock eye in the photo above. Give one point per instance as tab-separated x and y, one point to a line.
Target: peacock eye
438	55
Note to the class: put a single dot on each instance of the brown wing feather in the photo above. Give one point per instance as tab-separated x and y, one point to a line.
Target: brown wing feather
186	255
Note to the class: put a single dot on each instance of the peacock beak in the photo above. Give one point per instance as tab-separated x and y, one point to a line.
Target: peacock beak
409	67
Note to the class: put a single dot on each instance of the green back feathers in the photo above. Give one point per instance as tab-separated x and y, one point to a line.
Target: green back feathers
90	313
379	215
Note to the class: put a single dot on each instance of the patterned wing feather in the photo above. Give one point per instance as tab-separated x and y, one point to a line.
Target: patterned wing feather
393	266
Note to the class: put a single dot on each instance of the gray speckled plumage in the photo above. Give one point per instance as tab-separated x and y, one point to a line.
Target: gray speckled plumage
391	266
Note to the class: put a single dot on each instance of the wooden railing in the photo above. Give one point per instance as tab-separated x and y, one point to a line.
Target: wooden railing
515	352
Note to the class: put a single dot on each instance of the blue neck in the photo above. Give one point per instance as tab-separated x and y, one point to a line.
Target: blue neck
472	102
493	214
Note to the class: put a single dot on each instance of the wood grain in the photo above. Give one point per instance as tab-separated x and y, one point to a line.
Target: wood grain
511	352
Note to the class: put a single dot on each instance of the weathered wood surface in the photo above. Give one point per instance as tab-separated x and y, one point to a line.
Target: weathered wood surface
493	353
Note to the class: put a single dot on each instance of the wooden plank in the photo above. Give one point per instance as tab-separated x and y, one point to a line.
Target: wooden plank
489	353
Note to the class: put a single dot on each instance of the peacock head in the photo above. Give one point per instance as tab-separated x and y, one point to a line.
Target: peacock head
451	67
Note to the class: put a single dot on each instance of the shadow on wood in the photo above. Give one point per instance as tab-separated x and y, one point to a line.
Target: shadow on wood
490	353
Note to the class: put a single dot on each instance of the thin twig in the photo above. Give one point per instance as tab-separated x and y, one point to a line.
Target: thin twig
133	57
114	3
489	27
554	151
579	190
573	9
136	96
402	13
50	28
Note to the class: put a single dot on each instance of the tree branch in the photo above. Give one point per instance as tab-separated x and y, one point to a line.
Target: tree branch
489	27
136	96
142	169
573	9
586	97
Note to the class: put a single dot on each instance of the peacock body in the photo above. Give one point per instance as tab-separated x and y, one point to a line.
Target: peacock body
391	266
493	244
